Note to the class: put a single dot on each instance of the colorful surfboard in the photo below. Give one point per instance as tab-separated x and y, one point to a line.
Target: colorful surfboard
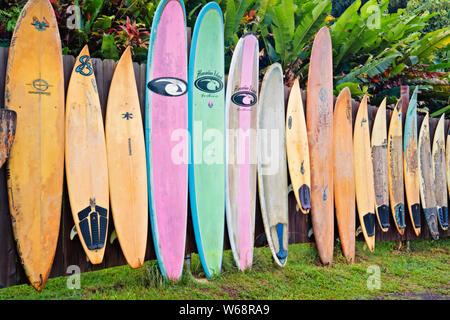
427	179
364	182
297	149
126	162
35	91
166	124
411	163
86	159
380	167
240	122
272	167
207	134
439	173
343	173
319	124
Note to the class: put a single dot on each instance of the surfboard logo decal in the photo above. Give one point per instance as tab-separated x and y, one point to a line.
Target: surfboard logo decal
40	25
168	86
85	67
244	98
209	84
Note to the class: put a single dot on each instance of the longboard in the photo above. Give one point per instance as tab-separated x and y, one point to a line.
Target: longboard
272	167
439	173
86	159
379	144
364	182
240	121
166	124
447	164
127	168
411	163
395	168
343	173
35	91
427	195
207	133
319	124
297	149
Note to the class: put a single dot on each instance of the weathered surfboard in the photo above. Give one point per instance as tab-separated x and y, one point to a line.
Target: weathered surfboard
343	173
379	144
297	149
447	161
319	124
411	164
364	182
272	167
395	167
86	159
207	134
240	122
166	124
439	173
426	180
127	168
35	91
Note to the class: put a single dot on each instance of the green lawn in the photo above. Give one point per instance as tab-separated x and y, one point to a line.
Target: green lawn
420	271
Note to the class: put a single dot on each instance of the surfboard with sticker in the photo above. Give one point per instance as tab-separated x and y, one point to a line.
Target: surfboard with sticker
426	179
207	134
272	167
411	163
241	104
127	170
343	173
166	125
379	142
439	174
86	159
35	91
297	149
319	124
364	182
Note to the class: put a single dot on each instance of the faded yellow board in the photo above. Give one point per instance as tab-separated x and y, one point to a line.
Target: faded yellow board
297	149
364	182
380	167
86	163
35	90
126	162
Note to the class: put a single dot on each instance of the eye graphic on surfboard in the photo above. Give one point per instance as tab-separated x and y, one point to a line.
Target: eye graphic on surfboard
168	86
209	84
244	98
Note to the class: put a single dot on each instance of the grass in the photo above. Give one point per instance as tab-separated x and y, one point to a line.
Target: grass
420	271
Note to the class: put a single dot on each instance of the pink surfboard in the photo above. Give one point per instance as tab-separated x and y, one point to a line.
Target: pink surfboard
166	123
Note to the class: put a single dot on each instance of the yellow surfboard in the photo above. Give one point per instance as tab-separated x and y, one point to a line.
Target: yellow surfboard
35	90
86	160
126	162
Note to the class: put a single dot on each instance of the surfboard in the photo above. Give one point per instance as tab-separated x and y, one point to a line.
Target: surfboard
166	128
395	168
207	134
426	180
364	182
272	167
319	125
379	144
411	163
241	104
35	91
86	159
297	149
343	173
447	161
127	169
439	173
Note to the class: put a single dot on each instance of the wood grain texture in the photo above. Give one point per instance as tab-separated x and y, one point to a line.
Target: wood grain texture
319	124
344	174
35	90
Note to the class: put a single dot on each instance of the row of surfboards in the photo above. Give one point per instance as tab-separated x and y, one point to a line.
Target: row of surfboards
201	139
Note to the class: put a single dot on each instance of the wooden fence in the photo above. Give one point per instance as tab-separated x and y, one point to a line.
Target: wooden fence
70	252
